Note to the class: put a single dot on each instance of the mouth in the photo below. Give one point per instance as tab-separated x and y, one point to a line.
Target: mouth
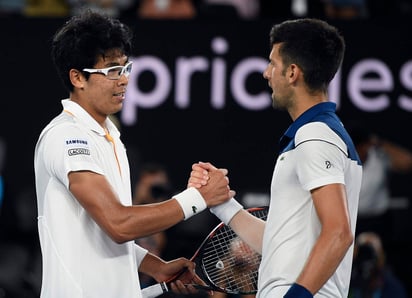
120	94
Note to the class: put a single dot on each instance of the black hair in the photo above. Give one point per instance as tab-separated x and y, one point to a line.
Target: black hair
312	44
84	38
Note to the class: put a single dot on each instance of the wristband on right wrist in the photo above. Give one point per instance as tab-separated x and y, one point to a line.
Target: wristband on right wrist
227	210
298	291
191	202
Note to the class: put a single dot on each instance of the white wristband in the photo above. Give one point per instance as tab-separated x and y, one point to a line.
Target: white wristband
227	210
191	202
155	290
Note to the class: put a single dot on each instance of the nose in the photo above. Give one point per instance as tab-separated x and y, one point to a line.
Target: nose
265	73
123	80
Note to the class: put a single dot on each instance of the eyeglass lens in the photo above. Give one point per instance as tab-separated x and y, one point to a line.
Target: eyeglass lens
118	71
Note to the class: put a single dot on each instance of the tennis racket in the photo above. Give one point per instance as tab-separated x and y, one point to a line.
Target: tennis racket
224	262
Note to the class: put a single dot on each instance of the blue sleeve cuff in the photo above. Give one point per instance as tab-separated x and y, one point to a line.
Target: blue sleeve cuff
298	291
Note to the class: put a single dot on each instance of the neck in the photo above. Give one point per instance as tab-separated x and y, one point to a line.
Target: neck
304	102
101	119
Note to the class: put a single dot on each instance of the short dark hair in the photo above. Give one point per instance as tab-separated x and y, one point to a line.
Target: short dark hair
85	37
312	44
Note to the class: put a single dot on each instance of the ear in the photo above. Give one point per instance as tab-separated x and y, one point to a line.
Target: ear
293	73
77	78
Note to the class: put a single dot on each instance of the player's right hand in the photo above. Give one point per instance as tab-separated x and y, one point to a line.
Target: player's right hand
211	182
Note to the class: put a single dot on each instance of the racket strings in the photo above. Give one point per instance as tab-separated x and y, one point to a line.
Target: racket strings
230	264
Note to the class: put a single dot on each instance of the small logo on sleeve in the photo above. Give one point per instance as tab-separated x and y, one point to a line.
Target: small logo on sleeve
328	164
78	151
194	209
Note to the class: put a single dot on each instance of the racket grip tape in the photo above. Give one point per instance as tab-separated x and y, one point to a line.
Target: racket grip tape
155	290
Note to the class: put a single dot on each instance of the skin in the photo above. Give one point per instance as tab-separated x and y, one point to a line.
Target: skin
101	97
290	92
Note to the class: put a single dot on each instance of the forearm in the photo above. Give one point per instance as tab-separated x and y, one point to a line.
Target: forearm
132	222
162	270
324	259
151	265
121	222
153	218
249	228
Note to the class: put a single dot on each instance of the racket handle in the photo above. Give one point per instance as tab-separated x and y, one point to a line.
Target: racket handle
154	290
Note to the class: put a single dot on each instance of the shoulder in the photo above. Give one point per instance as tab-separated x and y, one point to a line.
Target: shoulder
63	128
316	131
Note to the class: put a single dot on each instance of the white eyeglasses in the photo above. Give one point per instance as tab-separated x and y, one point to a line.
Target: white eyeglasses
114	72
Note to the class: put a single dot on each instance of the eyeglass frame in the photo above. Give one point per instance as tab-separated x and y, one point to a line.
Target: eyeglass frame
105	71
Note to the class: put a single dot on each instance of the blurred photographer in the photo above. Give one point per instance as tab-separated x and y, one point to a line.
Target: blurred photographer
152	184
371	277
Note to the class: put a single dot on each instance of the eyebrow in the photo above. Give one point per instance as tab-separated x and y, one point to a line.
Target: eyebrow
111	64
108	63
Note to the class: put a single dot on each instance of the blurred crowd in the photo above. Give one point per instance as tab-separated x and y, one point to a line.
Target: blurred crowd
211	9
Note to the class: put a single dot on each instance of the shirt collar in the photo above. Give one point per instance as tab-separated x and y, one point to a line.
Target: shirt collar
306	117
83	116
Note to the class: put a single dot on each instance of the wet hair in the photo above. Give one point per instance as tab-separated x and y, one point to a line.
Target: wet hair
83	39
314	45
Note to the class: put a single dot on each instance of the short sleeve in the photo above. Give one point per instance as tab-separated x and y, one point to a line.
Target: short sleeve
140	253
321	156
67	149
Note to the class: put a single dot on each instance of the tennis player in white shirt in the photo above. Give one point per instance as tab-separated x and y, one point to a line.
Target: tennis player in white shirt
307	241
87	223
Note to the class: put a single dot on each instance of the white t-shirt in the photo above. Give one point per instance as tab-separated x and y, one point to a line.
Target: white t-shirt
374	196
79	258
317	157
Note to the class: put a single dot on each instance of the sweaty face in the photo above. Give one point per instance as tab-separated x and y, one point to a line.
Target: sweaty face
275	74
102	96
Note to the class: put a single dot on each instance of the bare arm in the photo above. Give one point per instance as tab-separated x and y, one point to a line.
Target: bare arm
334	240
249	228
125	223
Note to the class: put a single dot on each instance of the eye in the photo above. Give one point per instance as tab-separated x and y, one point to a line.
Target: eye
115	71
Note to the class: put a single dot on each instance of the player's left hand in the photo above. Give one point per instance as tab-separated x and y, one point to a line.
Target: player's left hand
182	274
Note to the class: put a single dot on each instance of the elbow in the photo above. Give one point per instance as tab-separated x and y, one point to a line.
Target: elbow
118	236
346	237
340	237
349	240
118	233
120	228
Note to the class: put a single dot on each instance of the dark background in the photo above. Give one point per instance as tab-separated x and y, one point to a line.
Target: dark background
243	141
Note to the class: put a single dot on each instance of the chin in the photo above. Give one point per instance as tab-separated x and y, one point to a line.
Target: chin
117	108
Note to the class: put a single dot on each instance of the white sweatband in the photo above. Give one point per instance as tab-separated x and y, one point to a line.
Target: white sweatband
191	202
227	210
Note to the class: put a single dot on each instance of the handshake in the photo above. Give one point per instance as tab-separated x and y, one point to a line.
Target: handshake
208	187
211	182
